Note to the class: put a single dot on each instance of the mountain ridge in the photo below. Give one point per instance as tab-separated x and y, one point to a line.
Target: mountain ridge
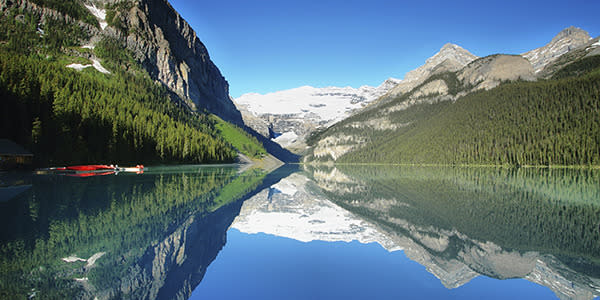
399	121
487	73
172	54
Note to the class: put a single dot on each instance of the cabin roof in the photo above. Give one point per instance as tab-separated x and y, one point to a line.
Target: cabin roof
8	147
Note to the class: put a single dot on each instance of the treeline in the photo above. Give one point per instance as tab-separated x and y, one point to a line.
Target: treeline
23	33
73	8
68	116
552	122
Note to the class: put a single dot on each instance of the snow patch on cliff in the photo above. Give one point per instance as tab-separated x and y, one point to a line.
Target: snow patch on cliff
98	13
286	139
96	64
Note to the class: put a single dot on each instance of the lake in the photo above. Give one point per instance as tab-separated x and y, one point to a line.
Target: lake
302	232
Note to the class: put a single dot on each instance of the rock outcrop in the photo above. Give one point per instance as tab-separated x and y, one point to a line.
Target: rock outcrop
489	72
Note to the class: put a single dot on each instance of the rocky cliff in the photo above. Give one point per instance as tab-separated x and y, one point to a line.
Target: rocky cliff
161	41
173	54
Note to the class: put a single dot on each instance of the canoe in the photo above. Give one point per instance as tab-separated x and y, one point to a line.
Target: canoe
90	170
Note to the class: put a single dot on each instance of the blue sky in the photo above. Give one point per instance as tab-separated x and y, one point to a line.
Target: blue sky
269	45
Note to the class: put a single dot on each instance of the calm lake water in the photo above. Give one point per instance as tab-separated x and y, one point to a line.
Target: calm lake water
344	232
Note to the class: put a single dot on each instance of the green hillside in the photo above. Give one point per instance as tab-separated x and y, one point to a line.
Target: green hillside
547	122
67	116
242	141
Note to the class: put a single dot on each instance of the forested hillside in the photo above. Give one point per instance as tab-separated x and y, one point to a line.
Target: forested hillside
68	116
547	122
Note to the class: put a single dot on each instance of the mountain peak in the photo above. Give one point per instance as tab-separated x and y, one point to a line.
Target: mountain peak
566	40
452	52
571	31
452	55
451	47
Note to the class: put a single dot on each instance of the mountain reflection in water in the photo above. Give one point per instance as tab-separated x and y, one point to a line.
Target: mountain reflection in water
154	235
460	223
148	236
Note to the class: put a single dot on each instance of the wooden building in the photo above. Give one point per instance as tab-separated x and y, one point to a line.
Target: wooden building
13	156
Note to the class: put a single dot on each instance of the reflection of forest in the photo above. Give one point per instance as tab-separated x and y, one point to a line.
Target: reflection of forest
502	223
143	223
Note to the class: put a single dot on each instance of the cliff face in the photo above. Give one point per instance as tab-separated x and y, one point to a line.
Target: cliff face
161	41
169	49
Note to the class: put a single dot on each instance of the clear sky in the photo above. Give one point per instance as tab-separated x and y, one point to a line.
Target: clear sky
270	45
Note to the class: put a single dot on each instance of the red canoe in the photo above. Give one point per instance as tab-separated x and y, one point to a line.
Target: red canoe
90	168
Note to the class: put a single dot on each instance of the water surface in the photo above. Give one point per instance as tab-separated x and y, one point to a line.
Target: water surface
317	233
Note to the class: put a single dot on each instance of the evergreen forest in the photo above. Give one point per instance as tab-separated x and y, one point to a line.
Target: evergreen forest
66	116
542	123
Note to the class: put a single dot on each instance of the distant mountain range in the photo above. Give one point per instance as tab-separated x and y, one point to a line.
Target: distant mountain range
297	113
500	109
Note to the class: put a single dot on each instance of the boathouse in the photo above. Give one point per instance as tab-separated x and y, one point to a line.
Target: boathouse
13	156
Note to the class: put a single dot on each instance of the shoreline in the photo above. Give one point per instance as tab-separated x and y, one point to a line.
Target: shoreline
574	167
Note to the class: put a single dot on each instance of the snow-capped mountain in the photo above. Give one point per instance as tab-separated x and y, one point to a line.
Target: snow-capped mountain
289	209
297	112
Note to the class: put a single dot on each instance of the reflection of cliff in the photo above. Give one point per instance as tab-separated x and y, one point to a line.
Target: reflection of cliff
150	236
174	266
411	210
